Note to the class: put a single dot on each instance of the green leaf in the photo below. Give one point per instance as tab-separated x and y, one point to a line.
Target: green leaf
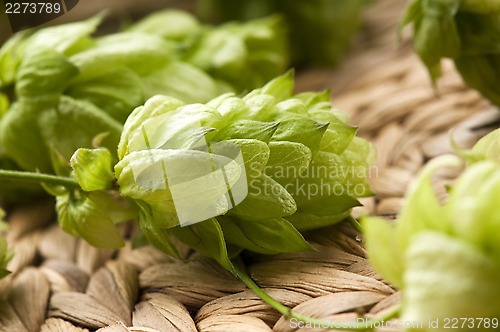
435	34
207	238
87	216
155	233
93	169
247	129
44	75
116	92
73	124
62	38
489	146
413	13
11	55
266	199
142	53
28	150
272	236
305	131
384	252
59	162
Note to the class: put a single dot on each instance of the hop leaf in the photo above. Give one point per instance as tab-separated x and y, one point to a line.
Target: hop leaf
254	170
93	216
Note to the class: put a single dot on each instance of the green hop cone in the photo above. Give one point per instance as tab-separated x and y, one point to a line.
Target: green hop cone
444	257
242	172
464	31
244	55
320	31
238	56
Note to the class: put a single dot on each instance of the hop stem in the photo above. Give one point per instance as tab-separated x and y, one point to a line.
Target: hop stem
366	325
35	177
355	224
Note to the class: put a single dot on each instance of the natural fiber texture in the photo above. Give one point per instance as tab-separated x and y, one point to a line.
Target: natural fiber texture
60	283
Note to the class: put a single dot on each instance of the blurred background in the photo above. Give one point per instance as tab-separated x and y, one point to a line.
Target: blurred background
338	25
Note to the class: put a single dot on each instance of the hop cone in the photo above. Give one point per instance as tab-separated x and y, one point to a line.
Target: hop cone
251	172
440	254
465	31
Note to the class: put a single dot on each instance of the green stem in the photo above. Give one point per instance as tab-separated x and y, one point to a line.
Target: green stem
25	176
355	224
366	325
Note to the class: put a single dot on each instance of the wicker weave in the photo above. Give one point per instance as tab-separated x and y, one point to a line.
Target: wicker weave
60	283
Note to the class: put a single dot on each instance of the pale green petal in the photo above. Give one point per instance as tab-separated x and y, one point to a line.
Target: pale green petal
281	87
472	206
287	161
384	252
155	106
88	217
174	129
266	199
422	210
447	278
489	146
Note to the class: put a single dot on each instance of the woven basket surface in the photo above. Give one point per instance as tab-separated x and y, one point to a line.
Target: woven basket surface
60	283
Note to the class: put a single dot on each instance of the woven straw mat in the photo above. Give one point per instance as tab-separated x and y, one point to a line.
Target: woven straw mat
60	283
